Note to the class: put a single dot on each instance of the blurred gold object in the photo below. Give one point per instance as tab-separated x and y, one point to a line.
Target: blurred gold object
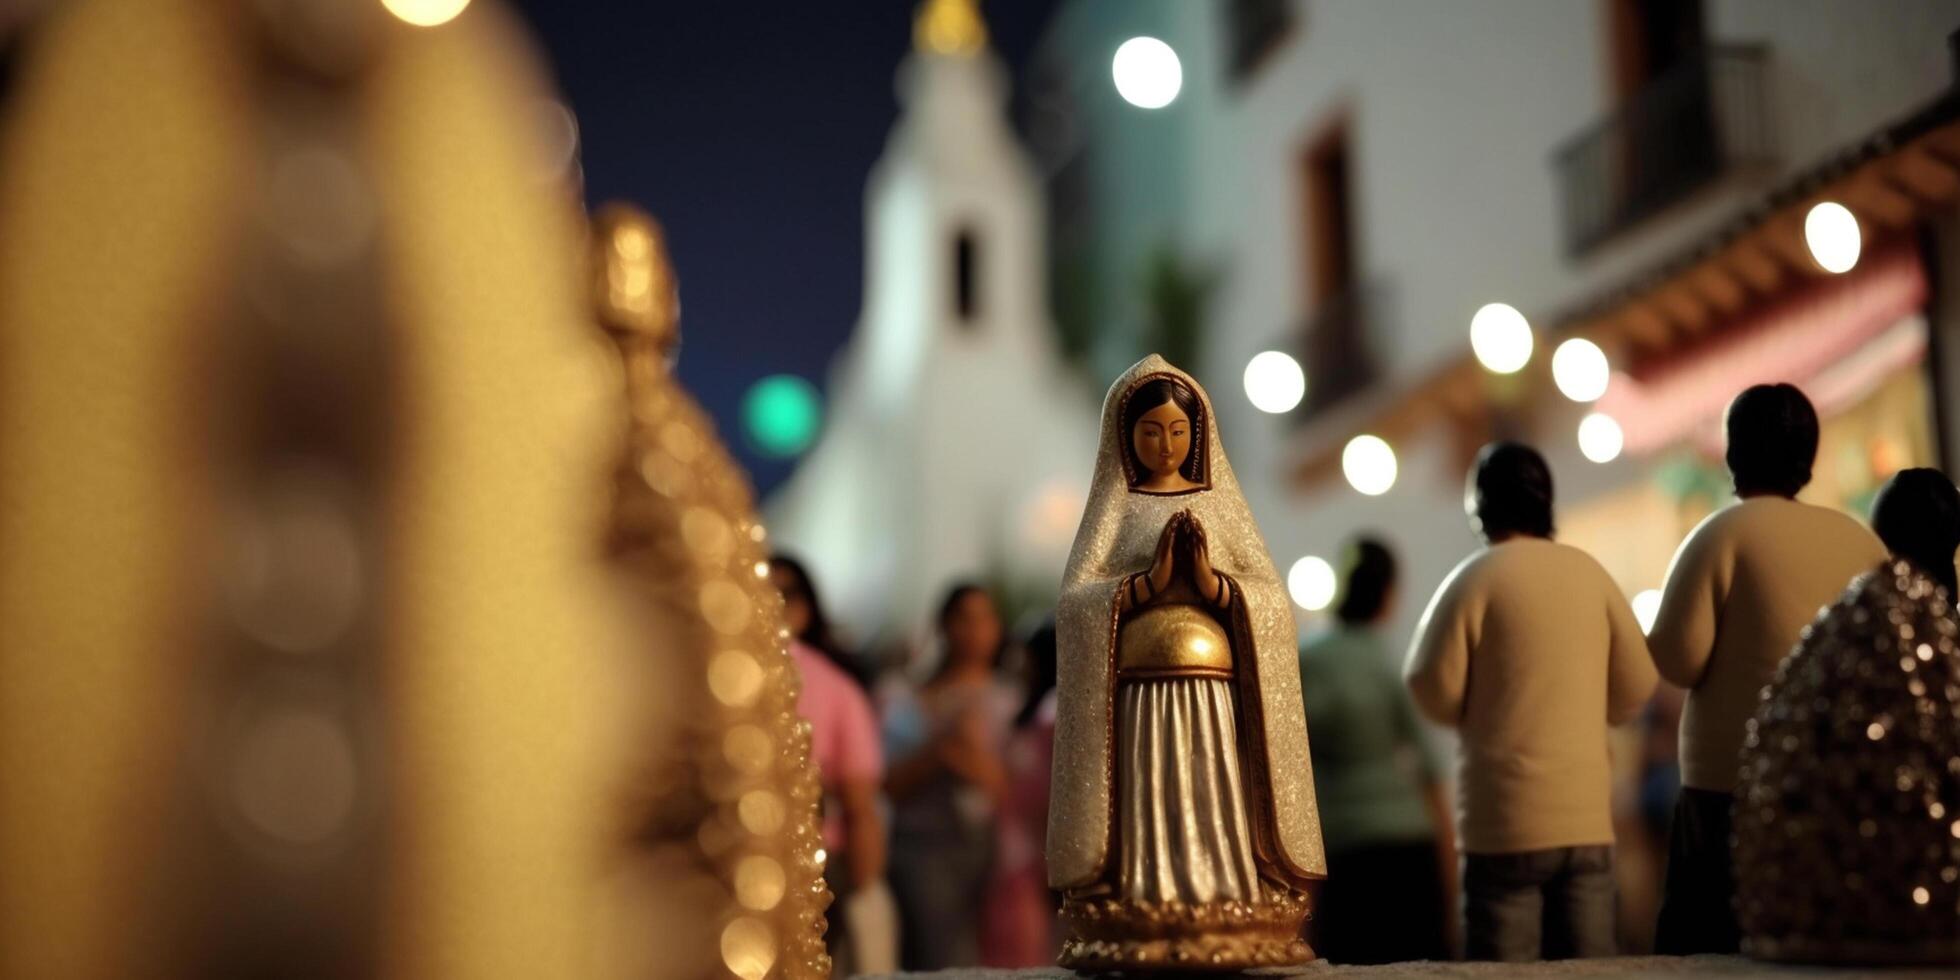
1173	639
952	27
1847	813
684	519
633	281
311	660
1111	935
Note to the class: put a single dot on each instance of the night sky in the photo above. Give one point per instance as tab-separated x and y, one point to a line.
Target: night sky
748	129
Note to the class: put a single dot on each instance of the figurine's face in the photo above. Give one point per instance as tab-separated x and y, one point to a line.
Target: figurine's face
1162	438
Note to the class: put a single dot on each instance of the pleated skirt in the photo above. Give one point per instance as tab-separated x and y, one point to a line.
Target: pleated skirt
1182	813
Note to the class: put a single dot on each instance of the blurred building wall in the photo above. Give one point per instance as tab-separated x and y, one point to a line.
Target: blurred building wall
1452	115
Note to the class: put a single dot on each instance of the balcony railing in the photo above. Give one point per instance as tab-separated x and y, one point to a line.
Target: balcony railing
1336	346
1702	119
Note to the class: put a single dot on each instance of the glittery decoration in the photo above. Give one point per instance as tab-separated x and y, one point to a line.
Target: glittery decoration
1114	935
1846	844
746	799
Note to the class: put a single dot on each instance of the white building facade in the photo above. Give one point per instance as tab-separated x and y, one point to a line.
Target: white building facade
1372	172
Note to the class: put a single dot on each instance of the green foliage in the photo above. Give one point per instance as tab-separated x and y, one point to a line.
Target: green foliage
1176	293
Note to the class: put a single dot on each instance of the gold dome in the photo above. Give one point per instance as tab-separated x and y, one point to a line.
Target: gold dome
949	27
1173	639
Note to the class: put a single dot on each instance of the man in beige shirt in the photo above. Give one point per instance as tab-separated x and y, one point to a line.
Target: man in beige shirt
1530	650
1743	586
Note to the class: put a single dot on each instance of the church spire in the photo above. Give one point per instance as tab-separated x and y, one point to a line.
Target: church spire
951	27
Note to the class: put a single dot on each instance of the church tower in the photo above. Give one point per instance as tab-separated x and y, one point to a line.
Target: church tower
958	446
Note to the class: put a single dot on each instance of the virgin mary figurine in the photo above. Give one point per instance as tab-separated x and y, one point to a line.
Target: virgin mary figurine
1182	826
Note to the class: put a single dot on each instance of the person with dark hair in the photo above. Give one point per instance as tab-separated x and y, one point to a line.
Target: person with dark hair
1773	435
845	746
947	784
1018	925
1511	493
1917	516
1530	650
1741	588
1390	853
803	613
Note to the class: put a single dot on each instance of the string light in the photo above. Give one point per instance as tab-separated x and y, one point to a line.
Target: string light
1501	338
1147	73
1580	370
1274	382
1646	607
1831	232
1311	582
1369	463
1600	438
426	13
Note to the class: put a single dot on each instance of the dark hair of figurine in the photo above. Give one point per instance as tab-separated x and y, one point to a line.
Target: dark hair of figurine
1917	515
1511	491
1151	395
1368	578
817	635
1772	433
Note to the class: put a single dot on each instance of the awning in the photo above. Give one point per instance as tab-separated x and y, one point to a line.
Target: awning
1892	181
1798	339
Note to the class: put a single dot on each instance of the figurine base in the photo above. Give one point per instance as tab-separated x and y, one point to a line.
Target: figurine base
1113	935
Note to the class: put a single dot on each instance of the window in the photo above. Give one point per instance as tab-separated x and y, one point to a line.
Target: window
1649	38
966	277
1329	219
1665	137
1338	359
1254	29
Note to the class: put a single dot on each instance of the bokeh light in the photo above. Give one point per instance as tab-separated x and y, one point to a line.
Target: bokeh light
1600	438
1311	583
781	414
748	948
1500	337
1580	370
426	13
1646	606
1369	464
1274	382
1147	73
1831	231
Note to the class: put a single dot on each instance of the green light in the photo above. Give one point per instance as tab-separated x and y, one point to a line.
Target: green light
781	414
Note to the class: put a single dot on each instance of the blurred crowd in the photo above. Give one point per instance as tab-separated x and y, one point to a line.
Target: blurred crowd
936	768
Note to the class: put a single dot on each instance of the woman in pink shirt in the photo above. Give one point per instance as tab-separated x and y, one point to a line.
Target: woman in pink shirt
844	743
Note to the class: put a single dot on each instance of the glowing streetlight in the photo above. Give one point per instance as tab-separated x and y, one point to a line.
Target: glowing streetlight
1831	231
1579	369
1500	337
426	13
1311	583
1274	382
1646	606
1147	73
1600	438
1369	464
